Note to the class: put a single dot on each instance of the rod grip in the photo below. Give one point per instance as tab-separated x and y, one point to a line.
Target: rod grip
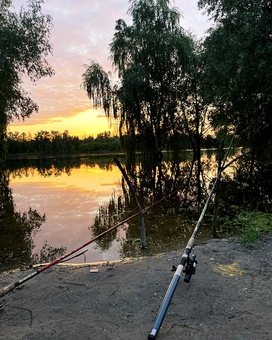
191	242
7	289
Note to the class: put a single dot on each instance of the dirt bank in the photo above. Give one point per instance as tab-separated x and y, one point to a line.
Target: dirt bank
229	297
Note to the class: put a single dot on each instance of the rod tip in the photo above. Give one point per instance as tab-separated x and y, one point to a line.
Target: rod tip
151	336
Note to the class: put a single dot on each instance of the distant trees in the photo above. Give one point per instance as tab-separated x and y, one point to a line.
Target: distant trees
103	142
24	45
56	143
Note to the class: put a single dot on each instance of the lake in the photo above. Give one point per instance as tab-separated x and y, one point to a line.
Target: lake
71	197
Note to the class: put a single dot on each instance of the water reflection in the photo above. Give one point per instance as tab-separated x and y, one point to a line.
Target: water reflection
108	215
18	229
69	192
168	225
82	197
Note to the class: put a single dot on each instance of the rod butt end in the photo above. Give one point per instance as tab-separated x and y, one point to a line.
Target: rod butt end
153	334
7	289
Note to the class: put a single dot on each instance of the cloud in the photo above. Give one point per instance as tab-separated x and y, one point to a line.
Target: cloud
83	30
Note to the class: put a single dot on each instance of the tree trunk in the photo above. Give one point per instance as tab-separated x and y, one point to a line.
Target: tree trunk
3	137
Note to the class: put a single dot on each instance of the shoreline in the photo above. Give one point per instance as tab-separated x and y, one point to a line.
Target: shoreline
229	297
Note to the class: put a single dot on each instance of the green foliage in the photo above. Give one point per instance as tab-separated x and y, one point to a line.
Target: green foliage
249	226
238	73
24	45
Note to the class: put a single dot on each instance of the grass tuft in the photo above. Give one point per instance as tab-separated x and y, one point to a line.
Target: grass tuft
249	226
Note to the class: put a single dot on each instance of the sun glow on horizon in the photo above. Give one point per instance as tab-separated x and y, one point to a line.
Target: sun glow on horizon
89	122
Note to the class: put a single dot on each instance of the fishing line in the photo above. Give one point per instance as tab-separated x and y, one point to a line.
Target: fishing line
71	258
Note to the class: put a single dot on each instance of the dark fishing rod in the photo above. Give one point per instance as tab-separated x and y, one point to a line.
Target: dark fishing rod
12	286
187	264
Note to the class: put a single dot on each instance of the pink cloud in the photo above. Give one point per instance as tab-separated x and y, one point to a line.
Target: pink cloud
82	31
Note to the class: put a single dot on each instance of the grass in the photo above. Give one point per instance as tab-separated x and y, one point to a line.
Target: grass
249	226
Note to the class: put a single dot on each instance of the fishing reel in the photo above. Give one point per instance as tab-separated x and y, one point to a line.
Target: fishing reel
190	268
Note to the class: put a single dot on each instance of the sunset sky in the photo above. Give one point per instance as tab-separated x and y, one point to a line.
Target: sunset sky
83	30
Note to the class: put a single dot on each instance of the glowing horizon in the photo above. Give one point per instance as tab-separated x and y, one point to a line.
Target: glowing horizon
89	122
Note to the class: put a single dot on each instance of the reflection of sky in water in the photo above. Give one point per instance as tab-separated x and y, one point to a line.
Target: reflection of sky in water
70	203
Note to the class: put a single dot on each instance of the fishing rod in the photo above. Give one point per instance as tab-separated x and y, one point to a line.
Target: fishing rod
187	264
12	286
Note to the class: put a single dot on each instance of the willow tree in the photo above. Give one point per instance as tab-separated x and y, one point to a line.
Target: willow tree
24	45
151	56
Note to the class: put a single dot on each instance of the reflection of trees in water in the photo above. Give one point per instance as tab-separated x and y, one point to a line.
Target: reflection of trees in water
172	220
53	167
48	253
177	179
108	215
162	221
17	229
131	247
50	167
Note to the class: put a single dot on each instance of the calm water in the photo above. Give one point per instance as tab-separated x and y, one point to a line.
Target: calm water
71	197
70	202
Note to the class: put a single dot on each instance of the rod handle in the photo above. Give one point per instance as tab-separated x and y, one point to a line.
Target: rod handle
7	289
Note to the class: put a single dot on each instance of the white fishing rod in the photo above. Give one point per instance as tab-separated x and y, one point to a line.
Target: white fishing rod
187	264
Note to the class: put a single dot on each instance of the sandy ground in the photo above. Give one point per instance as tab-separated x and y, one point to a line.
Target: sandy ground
229	297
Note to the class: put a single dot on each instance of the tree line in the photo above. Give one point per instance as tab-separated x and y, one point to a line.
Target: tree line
46	143
54	142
